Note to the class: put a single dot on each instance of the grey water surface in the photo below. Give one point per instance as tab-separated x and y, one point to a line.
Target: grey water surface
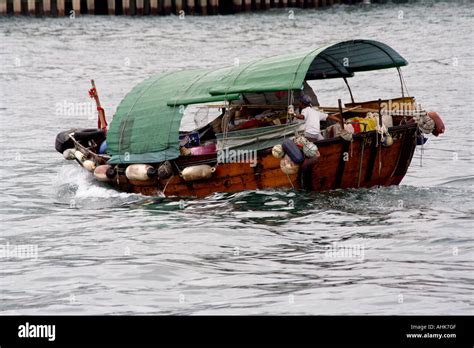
394	250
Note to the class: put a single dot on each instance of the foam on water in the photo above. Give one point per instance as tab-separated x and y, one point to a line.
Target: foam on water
75	183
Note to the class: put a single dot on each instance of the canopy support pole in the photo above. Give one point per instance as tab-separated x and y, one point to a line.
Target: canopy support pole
349	88
401	81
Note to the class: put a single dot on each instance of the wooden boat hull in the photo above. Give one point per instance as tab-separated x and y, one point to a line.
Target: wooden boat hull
360	163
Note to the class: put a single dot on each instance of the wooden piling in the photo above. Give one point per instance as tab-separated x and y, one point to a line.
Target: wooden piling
31	7
139	5
202	7
111	7
126	7
266	4
167	7
247	5
46	7
213	7
154	7
284	3
236	5
60	7
178	6
91	6
16	7
3	7
190	6
76	7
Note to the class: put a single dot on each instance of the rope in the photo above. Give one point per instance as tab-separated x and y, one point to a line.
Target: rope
166	185
291	182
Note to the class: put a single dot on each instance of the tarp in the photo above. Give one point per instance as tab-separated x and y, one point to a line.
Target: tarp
146	125
257	138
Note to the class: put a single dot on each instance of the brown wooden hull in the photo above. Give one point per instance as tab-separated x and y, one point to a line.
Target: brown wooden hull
360	163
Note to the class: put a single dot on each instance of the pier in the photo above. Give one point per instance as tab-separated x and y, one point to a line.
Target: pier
60	8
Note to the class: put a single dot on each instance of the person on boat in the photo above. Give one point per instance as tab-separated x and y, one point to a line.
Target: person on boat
312	118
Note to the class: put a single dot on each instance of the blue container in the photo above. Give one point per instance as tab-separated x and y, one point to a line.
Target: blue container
189	140
293	151
421	140
103	147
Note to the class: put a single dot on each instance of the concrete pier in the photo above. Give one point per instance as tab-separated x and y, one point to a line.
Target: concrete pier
61	8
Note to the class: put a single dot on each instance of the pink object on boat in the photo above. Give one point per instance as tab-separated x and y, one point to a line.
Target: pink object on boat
203	150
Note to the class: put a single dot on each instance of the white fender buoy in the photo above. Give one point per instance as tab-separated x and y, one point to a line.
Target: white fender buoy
89	165
199	172
140	172
277	151
80	156
287	166
100	172
310	149
69	154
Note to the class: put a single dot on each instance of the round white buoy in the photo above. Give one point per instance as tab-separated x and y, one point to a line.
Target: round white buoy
69	154
199	172
80	156
89	165
140	172
310	149
288	166
277	151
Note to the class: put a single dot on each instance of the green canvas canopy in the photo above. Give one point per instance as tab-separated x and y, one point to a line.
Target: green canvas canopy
145	127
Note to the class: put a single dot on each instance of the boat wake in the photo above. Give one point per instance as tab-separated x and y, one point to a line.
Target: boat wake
75	186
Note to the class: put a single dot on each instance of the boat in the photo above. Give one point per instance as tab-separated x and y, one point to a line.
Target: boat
192	133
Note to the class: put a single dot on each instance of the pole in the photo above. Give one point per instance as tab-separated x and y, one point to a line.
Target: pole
340	113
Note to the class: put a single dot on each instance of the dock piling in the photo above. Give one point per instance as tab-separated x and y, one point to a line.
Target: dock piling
213	7
178	6
156	7
237	5
90	7
167	7
139	10
247	5
126	7
190	4
76	7
16	7
31	7
60	7
110	7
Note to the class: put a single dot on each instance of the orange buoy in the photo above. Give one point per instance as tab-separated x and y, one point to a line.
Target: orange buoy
100	172
439	125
